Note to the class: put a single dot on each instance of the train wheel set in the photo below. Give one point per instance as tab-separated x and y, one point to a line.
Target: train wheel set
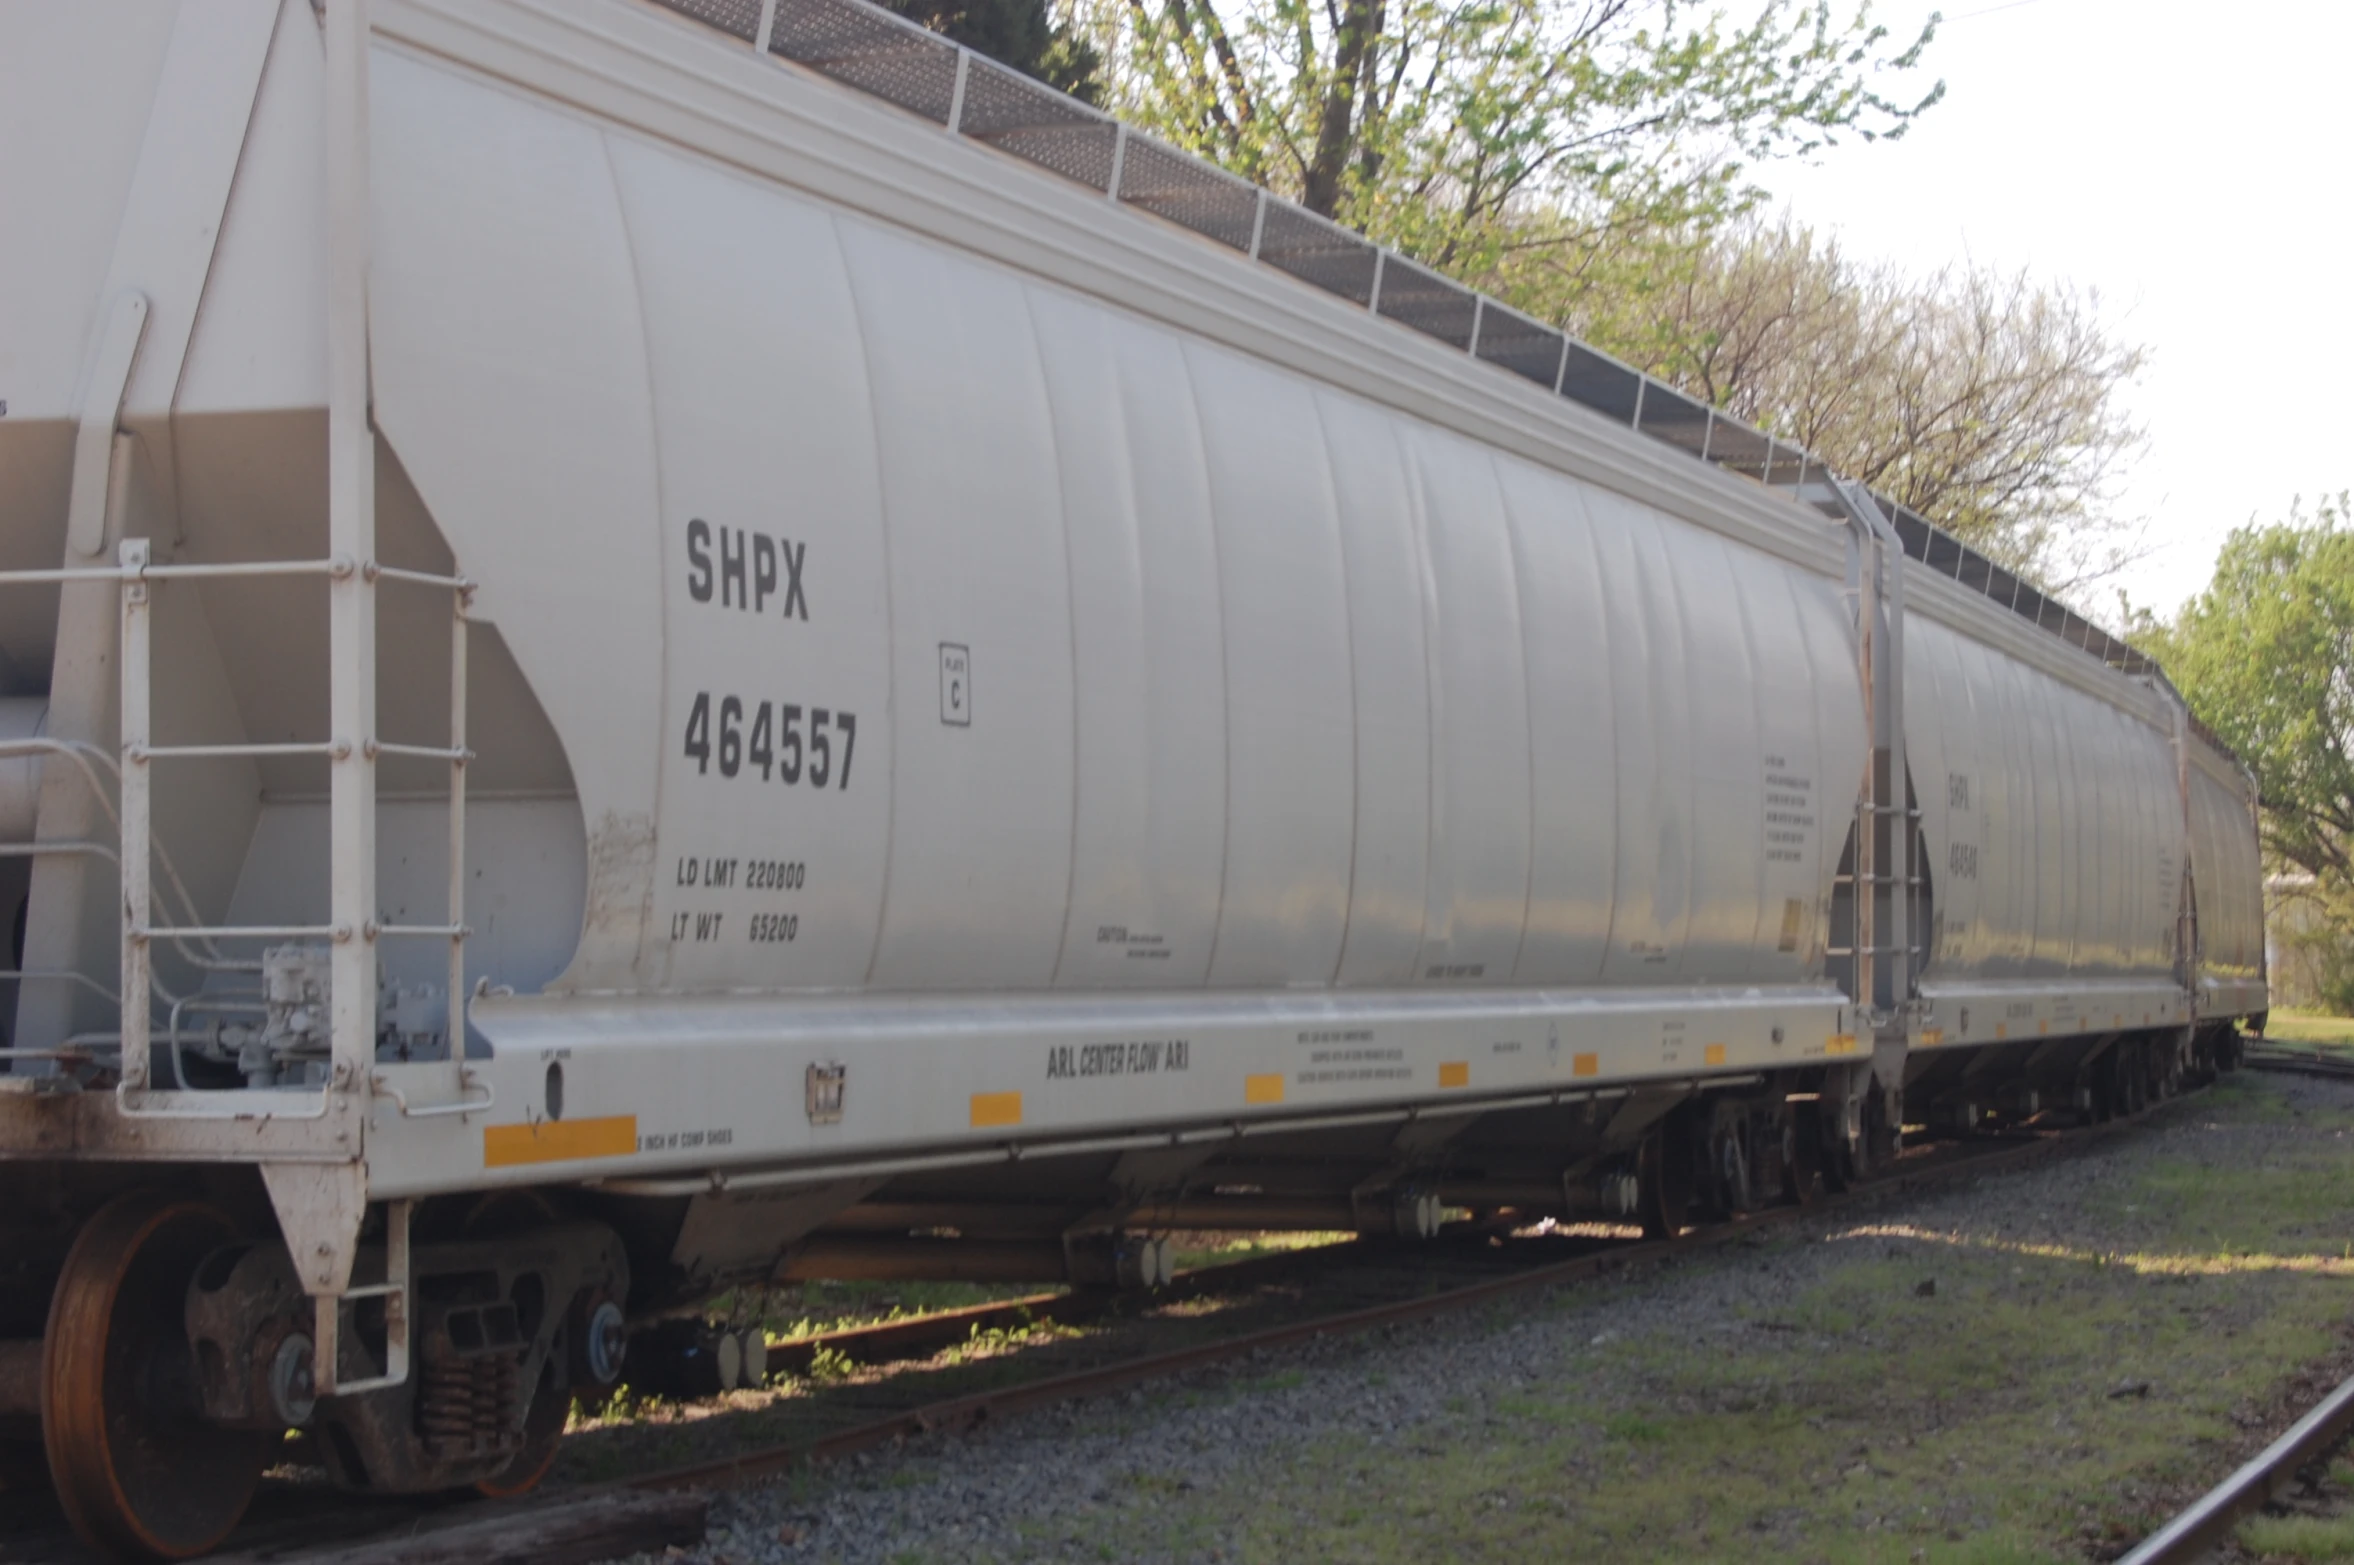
136	1466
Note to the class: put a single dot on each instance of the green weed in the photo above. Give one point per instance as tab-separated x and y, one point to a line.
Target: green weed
2299	1537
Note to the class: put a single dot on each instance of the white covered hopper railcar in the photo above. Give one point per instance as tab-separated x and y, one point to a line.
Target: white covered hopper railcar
920	664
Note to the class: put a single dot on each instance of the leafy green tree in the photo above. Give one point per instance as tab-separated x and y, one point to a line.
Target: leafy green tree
1561	136
1023	34
1986	400
2265	657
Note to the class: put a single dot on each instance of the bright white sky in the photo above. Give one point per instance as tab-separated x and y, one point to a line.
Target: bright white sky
2195	164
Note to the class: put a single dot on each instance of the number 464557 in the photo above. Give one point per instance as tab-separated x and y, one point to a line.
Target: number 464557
782	740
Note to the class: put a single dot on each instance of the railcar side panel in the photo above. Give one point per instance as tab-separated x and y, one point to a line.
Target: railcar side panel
260	338
1290	745
1575	805
2111	784
1390	613
2044	937
2225	870
2107	816
1650	743
2007	886
2014	797
516	394
2142	915
1479	817
2071	747
1928	761
1151	684
2051	868
2108	786
2079	858
981	785
2206	856
1825	624
1977	723
775	591
2162	818
1977	884
1727	760
1807	751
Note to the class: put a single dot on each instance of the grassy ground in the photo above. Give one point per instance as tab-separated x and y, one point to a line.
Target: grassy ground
2042	1401
2310	1031
2314	1538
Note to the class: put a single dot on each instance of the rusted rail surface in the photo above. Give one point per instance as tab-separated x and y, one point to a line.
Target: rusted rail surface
2210	1519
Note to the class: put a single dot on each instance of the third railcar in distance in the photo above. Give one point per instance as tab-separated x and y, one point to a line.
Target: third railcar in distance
631	670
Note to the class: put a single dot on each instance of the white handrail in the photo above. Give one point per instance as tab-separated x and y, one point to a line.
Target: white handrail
137	575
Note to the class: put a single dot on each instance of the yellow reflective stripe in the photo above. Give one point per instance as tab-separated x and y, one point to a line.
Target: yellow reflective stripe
559	1140
996	1108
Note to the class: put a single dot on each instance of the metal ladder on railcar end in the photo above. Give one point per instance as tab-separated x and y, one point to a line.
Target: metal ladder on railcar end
351	847
1887	874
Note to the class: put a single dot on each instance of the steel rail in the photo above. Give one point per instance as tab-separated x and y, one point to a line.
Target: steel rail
2211	1518
2301	1062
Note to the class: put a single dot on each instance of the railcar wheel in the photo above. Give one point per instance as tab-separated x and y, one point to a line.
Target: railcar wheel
1663	1178
1824	1143
1881	1140
1728	1156
138	1471
1802	1160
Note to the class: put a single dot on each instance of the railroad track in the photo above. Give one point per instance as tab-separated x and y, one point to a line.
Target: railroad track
2205	1524
2332	1063
1263	1303
2203	1527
